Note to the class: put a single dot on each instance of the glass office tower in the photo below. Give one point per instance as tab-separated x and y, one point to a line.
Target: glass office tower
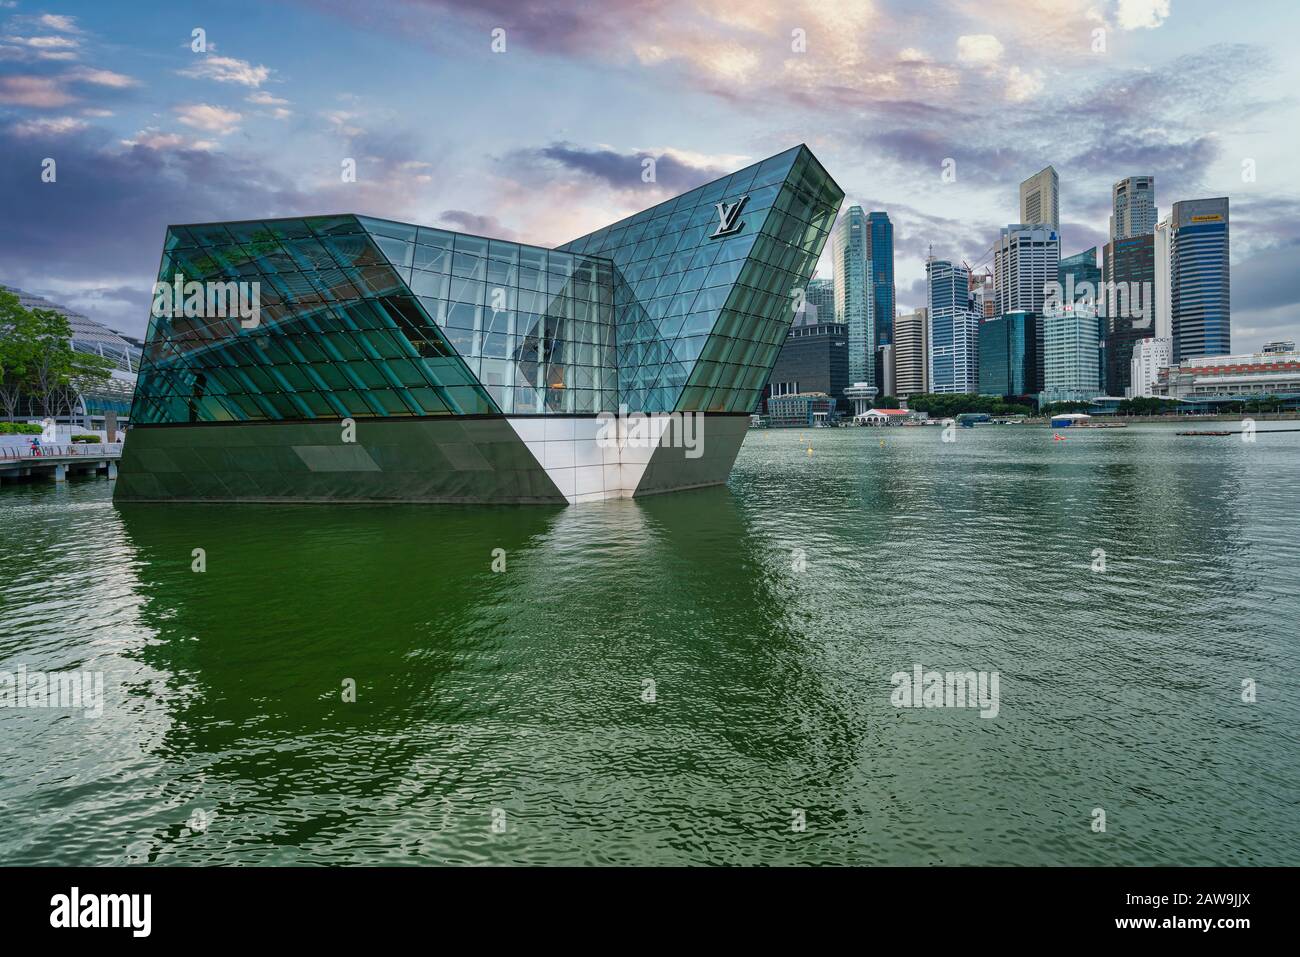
1200	287
954	329
853	302
1081	274
1070	337
1009	355
880	253
1128	271
472	369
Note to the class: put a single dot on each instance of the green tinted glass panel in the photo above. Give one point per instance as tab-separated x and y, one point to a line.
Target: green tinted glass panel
682	306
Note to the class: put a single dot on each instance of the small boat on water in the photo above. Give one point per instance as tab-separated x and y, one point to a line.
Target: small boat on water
1204	432
1080	420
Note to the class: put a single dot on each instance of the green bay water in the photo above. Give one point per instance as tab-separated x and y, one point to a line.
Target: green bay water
769	614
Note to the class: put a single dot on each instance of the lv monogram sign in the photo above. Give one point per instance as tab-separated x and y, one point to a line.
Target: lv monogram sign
729	220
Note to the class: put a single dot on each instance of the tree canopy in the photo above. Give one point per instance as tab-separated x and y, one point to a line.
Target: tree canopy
38	363
946	405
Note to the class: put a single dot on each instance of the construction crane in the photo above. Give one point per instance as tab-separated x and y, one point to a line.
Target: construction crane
977	279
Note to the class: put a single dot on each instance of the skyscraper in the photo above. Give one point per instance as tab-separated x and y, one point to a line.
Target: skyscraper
1075	270
1155	352
954	328
1070	371
1149	357
1164	291
1009	355
912	353
1080	278
820	294
984	295
1133	207
814	358
1025	259
1128	273
1039	203
880	253
852	301
1199	286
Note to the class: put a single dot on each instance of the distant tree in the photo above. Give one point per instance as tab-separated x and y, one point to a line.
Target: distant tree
86	373
948	405
16	347
1144	405
52	359
887	402
37	360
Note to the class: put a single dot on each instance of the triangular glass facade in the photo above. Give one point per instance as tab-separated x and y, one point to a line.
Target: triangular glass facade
702	317
339	334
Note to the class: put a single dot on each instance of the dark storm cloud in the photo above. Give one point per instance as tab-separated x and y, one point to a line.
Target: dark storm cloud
928	152
102	221
99	227
460	220
912	296
578	29
1268	279
624	170
1179	167
1173	86
109	205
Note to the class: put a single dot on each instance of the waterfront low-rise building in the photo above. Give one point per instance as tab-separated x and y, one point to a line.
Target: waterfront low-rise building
1221	379
474	370
801	410
885	417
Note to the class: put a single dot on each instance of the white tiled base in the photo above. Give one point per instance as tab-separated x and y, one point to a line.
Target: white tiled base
583	468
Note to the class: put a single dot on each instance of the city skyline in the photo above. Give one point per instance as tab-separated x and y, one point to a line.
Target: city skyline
150	132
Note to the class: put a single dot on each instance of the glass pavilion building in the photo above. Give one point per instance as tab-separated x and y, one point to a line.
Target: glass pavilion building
393	362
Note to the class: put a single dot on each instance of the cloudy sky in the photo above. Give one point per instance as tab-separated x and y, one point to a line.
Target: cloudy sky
544	141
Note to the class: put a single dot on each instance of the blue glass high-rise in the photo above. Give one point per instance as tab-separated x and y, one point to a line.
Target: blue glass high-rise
1201	288
954	329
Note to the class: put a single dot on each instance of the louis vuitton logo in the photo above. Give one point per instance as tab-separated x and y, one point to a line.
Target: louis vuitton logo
729	220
